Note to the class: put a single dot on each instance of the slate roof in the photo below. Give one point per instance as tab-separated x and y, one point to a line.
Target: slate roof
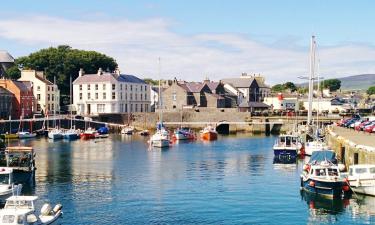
23	85
194	86
44	80
108	77
212	85
5	57
130	79
253	105
239	82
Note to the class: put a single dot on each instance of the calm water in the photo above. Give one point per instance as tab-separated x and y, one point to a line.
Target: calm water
229	181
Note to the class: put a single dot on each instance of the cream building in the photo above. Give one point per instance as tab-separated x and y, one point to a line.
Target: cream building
46	94
106	92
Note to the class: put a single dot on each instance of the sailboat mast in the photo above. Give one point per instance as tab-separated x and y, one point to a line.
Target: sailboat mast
160	103
70	102
53	104
311	79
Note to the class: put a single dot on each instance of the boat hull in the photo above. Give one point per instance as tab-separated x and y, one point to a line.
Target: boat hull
86	136
162	143
26	136
280	152
55	136
327	189
209	136
70	136
11	136
23	177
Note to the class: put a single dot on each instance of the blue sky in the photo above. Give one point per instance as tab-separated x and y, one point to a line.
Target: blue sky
201	38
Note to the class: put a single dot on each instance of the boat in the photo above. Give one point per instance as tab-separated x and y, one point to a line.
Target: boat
183	134
362	179
89	133
127	130
102	132
25	135
10	136
144	132
209	133
22	160
287	144
322	176
316	145
70	134
55	134
7	187
21	210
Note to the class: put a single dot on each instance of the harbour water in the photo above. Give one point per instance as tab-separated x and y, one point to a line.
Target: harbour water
233	180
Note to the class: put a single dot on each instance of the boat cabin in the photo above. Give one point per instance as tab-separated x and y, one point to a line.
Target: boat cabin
288	140
362	170
19	210
19	157
6	176
325	172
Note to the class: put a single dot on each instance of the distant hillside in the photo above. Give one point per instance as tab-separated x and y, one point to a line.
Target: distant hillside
357	82
354	82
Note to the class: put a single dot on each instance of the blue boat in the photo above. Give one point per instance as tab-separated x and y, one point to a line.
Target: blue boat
287	145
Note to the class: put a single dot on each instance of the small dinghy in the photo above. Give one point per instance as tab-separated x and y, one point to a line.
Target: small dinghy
21	210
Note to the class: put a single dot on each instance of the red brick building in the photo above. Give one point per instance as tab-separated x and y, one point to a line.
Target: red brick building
23	97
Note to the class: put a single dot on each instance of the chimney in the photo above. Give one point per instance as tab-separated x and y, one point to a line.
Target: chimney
100	71
117	71
81	72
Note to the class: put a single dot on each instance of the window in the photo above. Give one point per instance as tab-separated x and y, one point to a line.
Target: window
135	95
113	86
88	87
38	88
48	88
126	87
53	106
145	96
103	86
174	96
120	86
141	88
126	96
131	87
88	96
80	87
96	87
121	95
141	108
113	95
48	98
131	96
131	108
145	87
52	88
80	96
100	108
38	97
53	97
38	107
96	96
146	107
126	107
136	107
141	97
104	95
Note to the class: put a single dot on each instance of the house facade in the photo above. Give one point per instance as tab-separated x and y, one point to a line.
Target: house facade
23	101
6	99
46	94
107	92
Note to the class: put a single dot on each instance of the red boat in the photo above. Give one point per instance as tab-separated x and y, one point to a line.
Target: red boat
88	134
209	133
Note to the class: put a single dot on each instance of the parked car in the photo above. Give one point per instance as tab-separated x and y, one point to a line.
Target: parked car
360	126
370	128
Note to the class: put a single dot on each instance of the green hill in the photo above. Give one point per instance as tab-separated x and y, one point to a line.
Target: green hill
357	82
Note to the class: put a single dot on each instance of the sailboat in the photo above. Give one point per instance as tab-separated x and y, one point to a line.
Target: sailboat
161	138
56	133
26	134
72	133
10	135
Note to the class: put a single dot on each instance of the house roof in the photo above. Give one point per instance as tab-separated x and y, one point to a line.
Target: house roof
212	85
4	91
5	57
44	80
22	85
108	77
243	82
194	86
253	105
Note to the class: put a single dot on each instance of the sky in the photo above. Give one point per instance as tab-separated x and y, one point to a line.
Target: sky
198	39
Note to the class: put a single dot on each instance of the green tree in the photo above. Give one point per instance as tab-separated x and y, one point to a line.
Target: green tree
371	90
63	61
291	86
278	88
331	84
151	81
13	73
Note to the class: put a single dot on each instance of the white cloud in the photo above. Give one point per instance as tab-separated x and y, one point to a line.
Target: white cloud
136	45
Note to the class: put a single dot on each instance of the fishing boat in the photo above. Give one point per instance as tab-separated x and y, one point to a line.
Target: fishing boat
89	133
322	176
20	210
25	135
287	144
70	134
312	146
183	134
7	187
362	179
102	132
209	133
22	160
55	134
127	130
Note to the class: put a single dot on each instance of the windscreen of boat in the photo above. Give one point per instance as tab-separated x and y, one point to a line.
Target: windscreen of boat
360	170
4	178
8	219
288	141
332	172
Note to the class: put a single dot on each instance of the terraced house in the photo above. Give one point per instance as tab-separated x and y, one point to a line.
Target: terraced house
106	92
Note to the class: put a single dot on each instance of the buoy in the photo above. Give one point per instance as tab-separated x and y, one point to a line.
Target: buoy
312	183
345	188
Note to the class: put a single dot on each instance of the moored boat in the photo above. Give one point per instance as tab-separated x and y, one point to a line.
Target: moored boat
21	210
362	179
144	132
209	133
88	134
55	134
22	160
287	144
183	134
25	135
10	136
7	187
312	146
127	130
161	138
70	134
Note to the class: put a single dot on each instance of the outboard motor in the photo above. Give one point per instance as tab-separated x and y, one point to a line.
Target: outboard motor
57	208
46	210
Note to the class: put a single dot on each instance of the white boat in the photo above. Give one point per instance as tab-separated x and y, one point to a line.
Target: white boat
362	179
26	134
313	146
127	130
160	139
55	134
287	144
71	134
7	187
20	210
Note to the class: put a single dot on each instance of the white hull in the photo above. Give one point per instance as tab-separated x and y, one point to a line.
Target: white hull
55	136
161	143
181	137
25	136
368	190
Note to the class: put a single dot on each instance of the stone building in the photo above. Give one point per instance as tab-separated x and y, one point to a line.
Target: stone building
23	101
6	99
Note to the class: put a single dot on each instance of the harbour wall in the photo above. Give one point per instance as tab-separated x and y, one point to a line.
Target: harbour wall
348	151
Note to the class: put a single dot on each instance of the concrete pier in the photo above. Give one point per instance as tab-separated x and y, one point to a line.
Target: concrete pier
352	147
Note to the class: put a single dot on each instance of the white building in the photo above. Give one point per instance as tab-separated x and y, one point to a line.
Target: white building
281	103
46	94
106	92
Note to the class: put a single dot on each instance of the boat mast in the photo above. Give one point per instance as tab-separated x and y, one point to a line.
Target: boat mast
160	104
53	104
311	79
70	100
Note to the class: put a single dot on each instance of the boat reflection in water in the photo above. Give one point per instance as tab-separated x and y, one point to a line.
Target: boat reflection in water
362	207
284	159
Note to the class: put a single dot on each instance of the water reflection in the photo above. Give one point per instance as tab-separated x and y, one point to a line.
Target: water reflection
362	207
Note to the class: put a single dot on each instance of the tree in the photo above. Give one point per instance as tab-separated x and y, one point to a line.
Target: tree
13	73
371	90
278	88
63	62
151	81
291	86
331	84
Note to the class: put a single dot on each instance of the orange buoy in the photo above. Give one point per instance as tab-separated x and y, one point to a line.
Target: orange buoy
312	183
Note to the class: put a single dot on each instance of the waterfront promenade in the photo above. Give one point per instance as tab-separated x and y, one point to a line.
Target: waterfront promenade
358	138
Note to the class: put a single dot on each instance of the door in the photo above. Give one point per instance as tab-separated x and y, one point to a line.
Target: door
89	109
